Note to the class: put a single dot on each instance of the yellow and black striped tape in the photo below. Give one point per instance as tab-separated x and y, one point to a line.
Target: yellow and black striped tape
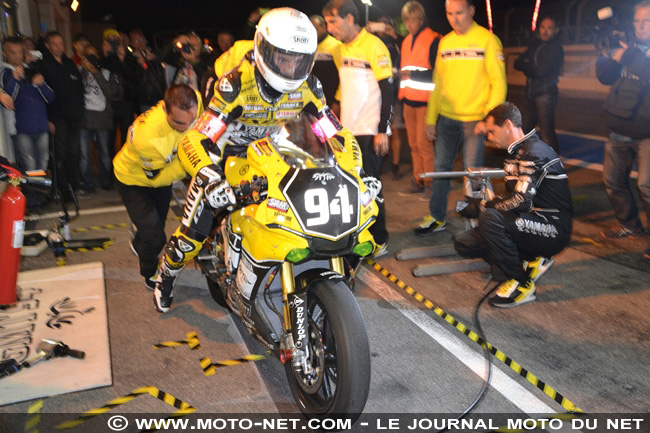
85	250
104	227
192	340
183	408
34	417
209	367
548	390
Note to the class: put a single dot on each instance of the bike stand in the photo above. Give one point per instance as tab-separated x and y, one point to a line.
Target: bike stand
446	267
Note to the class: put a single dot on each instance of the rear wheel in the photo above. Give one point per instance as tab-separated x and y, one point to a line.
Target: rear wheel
339	357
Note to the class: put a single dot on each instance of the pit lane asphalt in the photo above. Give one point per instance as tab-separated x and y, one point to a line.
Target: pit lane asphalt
586	335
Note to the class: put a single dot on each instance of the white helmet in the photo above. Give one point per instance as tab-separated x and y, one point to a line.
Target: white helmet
285	48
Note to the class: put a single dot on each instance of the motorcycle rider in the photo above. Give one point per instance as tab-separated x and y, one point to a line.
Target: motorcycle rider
268	88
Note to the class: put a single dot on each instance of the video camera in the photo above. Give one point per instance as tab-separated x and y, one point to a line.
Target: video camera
612	32
186	47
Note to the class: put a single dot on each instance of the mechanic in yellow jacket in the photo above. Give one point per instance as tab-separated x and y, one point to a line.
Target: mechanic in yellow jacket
267	89
146	167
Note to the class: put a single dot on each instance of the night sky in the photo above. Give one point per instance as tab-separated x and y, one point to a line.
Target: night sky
164	18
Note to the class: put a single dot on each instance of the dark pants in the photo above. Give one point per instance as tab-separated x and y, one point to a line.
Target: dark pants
372	167
147	208
505	239
540	110
620	154
66	152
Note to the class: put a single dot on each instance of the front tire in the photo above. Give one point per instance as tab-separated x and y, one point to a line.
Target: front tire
338	354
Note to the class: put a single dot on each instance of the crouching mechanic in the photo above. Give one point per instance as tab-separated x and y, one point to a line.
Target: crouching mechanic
254	100
519	233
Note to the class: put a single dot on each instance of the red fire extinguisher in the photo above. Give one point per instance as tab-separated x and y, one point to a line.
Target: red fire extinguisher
12	229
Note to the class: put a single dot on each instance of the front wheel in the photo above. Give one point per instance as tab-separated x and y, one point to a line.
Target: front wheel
336	379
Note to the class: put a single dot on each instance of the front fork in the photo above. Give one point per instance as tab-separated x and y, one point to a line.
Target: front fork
295	347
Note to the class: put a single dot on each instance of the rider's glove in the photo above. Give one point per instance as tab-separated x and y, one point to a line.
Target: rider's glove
373	184
216	189
219	194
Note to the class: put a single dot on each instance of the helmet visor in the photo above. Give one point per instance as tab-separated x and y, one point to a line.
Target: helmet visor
286	64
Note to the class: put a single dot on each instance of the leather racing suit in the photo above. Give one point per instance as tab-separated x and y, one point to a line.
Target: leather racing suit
244	108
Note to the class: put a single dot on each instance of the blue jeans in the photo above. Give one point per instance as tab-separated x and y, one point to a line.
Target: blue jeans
451	135
32	150
620	153
541	110
102	140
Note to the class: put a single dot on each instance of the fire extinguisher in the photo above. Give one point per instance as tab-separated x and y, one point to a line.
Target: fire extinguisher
12	229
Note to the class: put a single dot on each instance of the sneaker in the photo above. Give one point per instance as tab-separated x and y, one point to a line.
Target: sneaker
87	193
622	232
162	299
538	267
646	254
150	282
429	226
380	250
415	190
512	293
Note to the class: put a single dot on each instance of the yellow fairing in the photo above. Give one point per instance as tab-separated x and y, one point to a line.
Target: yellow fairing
261	241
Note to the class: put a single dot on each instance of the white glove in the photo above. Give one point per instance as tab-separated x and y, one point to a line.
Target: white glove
219	194
373	184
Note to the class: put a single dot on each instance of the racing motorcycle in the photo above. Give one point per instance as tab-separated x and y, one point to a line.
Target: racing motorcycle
303	214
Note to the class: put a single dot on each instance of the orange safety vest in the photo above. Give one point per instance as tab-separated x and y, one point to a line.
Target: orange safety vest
415	57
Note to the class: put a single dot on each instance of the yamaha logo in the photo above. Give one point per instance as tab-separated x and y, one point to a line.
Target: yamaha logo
322	177
300	39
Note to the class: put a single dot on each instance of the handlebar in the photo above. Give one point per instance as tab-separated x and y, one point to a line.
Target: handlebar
480	172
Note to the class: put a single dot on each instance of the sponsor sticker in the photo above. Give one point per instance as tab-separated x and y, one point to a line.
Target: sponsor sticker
279	205
295	96
211	125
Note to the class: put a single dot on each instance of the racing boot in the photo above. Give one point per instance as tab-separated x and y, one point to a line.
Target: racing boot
163	293
538	267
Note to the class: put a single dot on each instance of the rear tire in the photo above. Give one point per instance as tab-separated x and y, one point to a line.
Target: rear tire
339	353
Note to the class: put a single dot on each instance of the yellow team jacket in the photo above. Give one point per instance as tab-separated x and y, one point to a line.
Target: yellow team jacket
149	155
469	76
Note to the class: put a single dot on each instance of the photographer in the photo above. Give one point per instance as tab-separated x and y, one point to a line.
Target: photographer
30	94
100	88
627	70
186	62
123	65
149	72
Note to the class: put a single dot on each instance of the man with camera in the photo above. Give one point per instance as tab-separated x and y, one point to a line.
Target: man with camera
627	69
30	95
185	63
100	87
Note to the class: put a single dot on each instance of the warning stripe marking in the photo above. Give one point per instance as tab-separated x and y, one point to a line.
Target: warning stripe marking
104	227
530	377
209	367
34	417
183	408
85	250
192	341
